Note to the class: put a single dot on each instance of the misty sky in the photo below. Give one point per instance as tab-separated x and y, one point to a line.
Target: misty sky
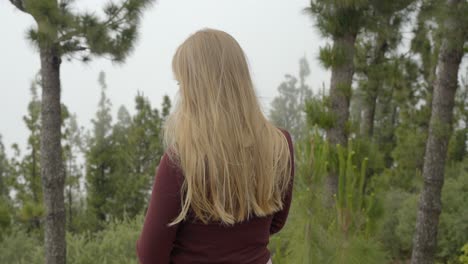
273	33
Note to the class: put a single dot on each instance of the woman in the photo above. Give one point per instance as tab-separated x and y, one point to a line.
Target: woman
224	184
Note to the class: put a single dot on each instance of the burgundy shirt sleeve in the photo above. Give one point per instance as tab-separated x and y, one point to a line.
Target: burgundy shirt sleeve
156	240
279	218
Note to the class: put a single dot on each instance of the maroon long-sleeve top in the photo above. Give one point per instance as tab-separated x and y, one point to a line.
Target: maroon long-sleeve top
194	242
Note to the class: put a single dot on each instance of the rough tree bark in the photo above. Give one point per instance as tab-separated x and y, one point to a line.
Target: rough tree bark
70	195
61	31
340	93
368	114
445	86
52	171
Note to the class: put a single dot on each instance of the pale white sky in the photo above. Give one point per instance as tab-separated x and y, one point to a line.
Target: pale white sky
273	33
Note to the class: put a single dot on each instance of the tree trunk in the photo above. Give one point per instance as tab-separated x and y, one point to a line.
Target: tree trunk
3	188
52	173
69	193
445	86
33	181
368	114
70	209
388	159
374	85
340	94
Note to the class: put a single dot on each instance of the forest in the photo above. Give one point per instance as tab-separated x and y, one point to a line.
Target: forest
381	154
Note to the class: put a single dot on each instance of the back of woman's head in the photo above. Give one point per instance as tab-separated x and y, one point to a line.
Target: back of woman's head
235	162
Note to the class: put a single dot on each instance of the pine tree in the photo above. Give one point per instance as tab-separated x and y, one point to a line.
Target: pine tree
454	35
124	120
166	107
341	21
138	150
381	36
144	135
400	133
72	149
458	143
414	100
29	191
379	71
287	109
5	201
31	194
61	32
99	163
4	192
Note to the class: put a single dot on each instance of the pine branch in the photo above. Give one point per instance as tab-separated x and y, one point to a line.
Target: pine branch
79	48
68	35
19	4
111	18
109	22
117	22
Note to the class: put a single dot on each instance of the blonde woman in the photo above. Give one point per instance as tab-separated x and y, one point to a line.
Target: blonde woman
224	184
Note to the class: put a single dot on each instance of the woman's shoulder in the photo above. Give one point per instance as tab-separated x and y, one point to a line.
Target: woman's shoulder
286	133
169	164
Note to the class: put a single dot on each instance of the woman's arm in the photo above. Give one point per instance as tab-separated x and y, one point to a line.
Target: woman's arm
279	218
156	240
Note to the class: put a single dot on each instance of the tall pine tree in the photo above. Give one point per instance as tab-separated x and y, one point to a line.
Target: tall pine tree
138	149
59	32
380	37
5	201
454	35
72	150
287	109
31	194
340	21
99	163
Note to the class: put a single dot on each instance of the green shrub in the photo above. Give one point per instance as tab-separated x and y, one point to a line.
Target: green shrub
453	226
401	207
19	247
464	257
406	223
317	233
392	201
5	215
115	244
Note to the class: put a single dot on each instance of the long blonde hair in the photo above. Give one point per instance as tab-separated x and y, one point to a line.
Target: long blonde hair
235	162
